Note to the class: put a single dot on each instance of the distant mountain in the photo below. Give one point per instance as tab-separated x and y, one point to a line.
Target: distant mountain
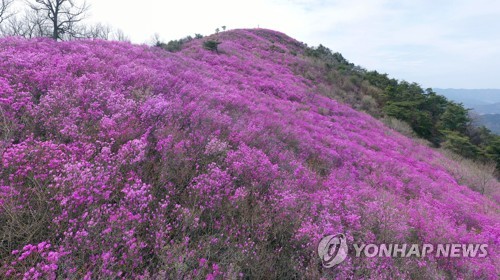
472	97
485	102
487	108
491	121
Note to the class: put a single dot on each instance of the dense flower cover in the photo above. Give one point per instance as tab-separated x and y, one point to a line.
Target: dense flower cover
120	160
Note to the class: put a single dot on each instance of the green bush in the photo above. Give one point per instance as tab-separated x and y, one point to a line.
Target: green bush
461	145
493	151
211	45
174	45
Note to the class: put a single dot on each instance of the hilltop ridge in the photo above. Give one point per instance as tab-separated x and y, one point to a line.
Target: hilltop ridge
121	160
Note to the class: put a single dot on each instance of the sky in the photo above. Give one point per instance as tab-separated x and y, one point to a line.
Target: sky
436	43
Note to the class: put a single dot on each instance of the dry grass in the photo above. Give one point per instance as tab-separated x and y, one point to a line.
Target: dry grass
399	126
478	176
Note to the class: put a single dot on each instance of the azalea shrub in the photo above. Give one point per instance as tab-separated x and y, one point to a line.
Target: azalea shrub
128	161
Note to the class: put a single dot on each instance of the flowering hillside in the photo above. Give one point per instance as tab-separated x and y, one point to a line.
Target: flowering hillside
126	161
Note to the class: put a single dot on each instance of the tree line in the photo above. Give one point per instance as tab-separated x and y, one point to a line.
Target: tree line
56	19
433	117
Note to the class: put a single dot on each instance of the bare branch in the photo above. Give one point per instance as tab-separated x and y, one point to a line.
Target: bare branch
64	15
31	24
59	19
119	35
5	12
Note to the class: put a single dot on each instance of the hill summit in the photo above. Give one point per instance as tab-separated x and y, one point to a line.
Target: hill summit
121	160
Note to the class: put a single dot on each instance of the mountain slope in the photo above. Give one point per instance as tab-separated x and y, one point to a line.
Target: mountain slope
121	160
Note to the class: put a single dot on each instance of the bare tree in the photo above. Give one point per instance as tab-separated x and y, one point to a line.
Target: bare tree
15	27
119	35
59	19
99	31
29	25
5	12
96	31
64	15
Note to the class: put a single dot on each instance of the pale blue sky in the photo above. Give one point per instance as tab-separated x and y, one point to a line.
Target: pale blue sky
440	43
